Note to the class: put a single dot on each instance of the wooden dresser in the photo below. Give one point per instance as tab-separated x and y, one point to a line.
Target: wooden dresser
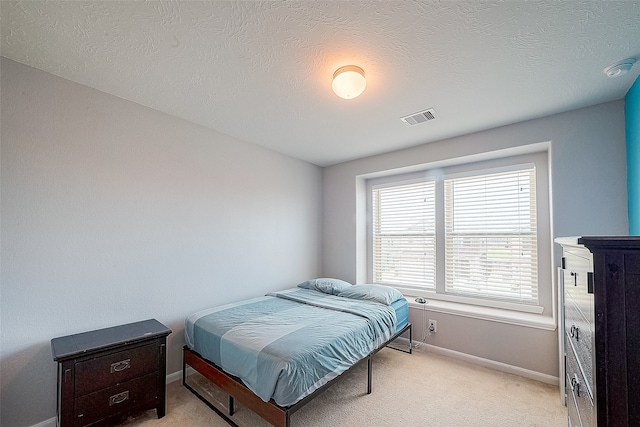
601	330
106	374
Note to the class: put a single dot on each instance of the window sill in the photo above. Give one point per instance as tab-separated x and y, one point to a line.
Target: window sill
530	320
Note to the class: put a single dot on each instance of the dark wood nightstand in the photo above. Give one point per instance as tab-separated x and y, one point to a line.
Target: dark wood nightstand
110	373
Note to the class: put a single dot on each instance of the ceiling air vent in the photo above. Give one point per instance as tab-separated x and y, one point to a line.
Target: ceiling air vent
421	117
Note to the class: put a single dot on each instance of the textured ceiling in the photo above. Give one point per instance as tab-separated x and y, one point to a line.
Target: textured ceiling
261	71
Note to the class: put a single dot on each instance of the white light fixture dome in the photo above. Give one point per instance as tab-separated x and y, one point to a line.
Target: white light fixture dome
619	68
348	81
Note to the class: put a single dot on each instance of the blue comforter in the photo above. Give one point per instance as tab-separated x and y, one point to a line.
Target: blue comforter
289	343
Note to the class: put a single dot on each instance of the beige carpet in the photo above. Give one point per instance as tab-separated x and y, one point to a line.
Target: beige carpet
422	389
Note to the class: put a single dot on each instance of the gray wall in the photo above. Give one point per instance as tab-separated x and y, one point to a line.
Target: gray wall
113	213
589	196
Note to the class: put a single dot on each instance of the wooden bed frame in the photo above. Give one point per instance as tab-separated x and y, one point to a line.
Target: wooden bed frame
271	412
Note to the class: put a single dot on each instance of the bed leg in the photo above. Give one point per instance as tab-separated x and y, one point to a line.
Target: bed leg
369	375
184	372
410	339
231	406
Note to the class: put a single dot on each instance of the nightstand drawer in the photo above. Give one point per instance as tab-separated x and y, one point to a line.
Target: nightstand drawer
100	372
113	400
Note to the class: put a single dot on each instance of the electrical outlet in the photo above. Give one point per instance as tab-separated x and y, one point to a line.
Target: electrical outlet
433	326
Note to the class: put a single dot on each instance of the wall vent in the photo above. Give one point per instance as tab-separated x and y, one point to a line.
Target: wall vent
420	117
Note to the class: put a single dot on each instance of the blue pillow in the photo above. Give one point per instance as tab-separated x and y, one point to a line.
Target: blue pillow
326	285
378	293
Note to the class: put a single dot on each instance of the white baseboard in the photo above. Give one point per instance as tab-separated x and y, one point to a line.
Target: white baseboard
51	422
498	366
176	376
487	363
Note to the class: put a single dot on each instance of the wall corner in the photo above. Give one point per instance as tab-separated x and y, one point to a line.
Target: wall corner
632	131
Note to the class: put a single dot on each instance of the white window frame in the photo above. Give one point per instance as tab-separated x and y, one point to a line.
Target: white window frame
406	239
463	304
520	228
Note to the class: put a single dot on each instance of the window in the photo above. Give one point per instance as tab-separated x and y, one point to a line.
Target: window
490	236
404	237
466	233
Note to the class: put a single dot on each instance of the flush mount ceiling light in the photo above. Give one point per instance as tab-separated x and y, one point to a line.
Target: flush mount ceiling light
619	68
348	81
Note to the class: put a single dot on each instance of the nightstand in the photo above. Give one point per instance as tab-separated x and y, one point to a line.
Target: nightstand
111	372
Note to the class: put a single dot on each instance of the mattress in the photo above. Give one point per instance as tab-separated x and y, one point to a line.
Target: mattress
287	344
401	307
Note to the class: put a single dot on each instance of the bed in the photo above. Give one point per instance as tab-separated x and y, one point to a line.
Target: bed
275	353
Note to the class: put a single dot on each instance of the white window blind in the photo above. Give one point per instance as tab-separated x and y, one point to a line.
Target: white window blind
404	234
490	236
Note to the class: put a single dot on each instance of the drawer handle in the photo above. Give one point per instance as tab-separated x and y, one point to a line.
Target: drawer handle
118	398
575	332
575	384
120	366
